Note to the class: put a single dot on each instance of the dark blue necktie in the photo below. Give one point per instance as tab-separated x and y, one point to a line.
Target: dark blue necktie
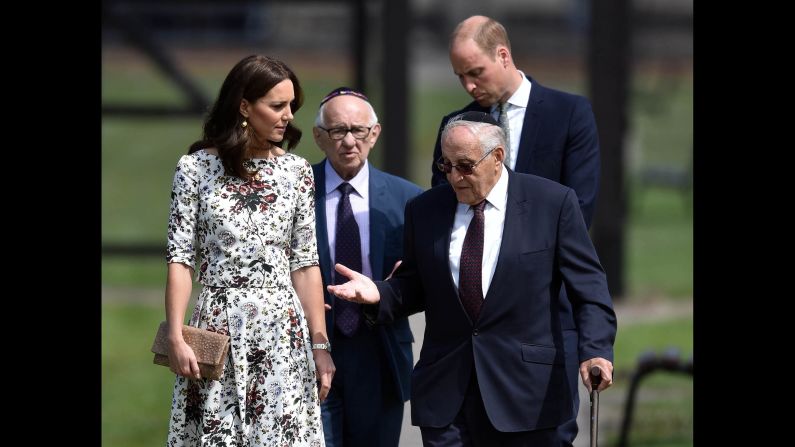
348	252
470	273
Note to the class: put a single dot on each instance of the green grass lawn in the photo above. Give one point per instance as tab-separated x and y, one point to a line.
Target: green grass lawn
659	245
138	161
139	157
634	339
136	394
663	414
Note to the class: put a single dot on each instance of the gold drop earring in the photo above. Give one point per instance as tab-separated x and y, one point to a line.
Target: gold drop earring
244	123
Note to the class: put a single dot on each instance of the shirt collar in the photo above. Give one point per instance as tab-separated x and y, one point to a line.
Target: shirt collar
498	196
360	181
520	97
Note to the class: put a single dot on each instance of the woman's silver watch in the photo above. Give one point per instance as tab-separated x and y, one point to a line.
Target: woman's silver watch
326	346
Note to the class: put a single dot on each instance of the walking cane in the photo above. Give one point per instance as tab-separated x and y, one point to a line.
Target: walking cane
596	379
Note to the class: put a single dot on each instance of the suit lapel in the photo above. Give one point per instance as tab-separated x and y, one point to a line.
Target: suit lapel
320	219
441	224
378	200
515	211
530	126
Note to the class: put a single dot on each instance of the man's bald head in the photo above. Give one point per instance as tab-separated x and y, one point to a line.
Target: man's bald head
485	31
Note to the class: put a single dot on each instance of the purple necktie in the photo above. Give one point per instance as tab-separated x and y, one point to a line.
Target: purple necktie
348	252
470	284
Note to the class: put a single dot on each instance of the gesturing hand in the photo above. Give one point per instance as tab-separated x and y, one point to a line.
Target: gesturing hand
360	289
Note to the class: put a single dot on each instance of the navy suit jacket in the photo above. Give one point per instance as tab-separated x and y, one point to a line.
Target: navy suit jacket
559	142
388	197
516	346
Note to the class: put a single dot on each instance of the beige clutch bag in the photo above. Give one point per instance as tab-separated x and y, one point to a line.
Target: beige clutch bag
211	349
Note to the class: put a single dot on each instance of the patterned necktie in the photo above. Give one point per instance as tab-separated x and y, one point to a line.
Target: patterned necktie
470	284
507	129
348	252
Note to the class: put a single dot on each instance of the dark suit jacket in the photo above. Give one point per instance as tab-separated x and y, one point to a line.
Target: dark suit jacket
516	346
559	142
388	197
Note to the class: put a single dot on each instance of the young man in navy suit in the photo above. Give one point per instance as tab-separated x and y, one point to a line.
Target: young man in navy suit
365	404
551	134
485	257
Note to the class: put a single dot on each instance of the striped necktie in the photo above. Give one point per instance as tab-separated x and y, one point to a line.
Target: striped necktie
505	125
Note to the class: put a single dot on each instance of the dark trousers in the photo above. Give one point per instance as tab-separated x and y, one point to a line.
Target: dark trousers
362	408
567	431
472	428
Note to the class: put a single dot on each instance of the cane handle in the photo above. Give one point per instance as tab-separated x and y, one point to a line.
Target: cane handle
596	376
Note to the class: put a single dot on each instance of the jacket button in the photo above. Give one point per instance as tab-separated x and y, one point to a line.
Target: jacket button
475	332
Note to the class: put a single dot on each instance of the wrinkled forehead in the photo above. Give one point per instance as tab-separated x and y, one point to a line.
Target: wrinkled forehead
346	109
460	143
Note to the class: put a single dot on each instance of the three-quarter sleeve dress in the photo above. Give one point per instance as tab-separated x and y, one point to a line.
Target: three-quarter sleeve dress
244	237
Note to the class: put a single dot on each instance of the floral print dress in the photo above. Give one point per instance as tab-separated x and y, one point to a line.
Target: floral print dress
248	236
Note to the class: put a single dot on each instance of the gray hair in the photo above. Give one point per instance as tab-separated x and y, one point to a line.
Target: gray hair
489	136
320	121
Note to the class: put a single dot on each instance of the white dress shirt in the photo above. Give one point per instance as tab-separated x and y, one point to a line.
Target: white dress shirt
360	204
517	105
493	222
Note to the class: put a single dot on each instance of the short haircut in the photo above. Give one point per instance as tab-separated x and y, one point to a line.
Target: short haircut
487	36
489	136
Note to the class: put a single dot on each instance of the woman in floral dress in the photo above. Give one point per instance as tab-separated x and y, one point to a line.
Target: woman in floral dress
242	209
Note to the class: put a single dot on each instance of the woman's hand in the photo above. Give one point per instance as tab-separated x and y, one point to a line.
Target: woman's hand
324	369
182	359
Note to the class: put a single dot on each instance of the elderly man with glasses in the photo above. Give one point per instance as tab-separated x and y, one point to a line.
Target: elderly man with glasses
485	256
359	218
550	133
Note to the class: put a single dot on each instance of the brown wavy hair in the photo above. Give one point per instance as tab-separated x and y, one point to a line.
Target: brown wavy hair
251	78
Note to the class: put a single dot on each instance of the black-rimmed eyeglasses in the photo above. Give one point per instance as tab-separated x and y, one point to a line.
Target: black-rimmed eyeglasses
463	168
338	133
